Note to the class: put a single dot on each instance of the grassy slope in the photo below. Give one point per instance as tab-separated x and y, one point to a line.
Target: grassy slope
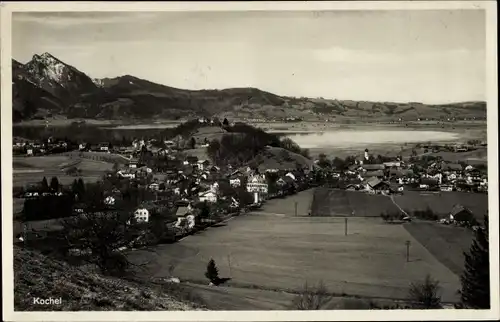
446	243
38	276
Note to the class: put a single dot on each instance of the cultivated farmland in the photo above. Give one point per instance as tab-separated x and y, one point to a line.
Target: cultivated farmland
446	243
31	170
332	202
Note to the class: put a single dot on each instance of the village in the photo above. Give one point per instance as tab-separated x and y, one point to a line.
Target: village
176	185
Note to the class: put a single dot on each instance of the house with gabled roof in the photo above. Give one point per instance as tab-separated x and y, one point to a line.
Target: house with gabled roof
375	185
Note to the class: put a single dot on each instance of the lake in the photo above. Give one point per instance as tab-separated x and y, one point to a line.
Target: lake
366	138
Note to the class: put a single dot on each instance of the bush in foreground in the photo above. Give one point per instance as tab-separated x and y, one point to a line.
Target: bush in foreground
425	294
475	292
311	297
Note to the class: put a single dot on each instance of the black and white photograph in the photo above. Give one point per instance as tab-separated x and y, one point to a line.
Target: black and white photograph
274	162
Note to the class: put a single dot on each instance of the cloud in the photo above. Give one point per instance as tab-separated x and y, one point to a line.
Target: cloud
345	55
67	19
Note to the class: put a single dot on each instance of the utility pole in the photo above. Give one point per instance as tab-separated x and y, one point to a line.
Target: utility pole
407	251
295	208
229	263
345	226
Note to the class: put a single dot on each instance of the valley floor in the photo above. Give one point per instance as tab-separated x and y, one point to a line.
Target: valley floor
271	251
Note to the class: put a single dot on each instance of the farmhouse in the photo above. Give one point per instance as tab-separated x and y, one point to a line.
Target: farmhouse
208	196
373	167
374	174
192	160
392	164
104	147
375	185
446	187
460	213
453	168
428	183
133	163
203	164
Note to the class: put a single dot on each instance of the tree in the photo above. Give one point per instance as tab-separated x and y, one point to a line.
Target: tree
323	161
225	122
212	272
81	187
54	184
103	233
45	185
311	297
425	294
475	292
74	188
192	143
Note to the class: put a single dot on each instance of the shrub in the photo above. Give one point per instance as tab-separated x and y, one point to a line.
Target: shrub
311	297
425	294
212	272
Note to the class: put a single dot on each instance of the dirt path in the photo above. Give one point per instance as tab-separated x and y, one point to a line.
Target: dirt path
396	204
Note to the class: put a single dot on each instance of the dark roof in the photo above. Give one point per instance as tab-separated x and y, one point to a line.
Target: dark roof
458	208
192	158
373	166
453	166
400	173
378	173
182	211
373	182
428	181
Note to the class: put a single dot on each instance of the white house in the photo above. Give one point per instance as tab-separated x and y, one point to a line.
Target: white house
235	182
202	164
154	186
446	188
29	151
128	175
141	215
208	196
110	200
257	183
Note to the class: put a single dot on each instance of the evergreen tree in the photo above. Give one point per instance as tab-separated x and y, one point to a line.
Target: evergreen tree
74	188
192	143
212	272
81	188
475	293
45	185
225	122
54	184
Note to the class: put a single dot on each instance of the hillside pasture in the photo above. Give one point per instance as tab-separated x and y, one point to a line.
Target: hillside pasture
281	253
443	202
56	166
446	243
333	202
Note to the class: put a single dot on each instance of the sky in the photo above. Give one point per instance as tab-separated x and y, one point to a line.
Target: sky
419	56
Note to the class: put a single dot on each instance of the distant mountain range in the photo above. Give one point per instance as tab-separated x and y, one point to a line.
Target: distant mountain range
47	87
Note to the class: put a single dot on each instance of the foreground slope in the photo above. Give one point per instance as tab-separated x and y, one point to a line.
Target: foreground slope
36	275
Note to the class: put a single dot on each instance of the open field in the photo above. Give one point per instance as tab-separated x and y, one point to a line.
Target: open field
281	252
33	169
446	243
333	202
442	202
